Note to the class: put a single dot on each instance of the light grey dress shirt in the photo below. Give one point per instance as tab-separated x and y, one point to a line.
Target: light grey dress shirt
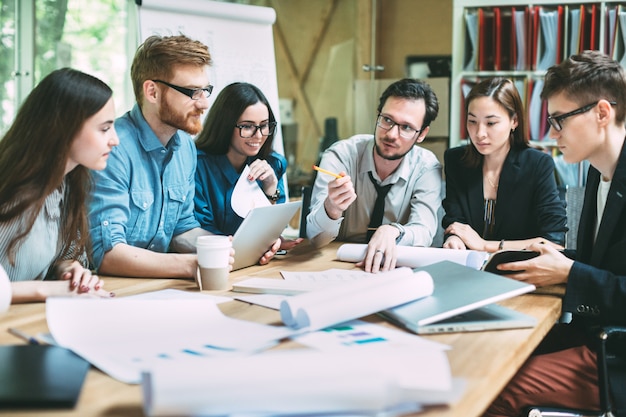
413	200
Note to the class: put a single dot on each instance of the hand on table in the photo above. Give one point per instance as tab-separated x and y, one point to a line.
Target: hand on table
267	256
381	253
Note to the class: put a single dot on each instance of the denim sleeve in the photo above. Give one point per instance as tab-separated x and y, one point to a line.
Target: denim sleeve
109	209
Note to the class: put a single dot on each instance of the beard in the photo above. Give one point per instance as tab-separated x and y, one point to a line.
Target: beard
390	157
181	121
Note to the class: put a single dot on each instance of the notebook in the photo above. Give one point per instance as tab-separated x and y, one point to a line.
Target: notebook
40	376
259	230
459	290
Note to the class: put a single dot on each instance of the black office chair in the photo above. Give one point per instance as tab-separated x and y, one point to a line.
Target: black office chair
574	197
607	408
305	209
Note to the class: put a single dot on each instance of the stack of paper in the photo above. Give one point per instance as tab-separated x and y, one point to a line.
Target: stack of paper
299	382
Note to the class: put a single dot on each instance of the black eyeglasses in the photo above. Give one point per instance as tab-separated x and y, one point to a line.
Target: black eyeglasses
192	93
555	121
248	130
406	131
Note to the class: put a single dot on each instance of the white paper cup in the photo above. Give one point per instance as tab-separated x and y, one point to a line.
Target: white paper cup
5	291
213	262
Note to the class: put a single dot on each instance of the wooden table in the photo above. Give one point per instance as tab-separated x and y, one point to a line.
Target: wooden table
485	360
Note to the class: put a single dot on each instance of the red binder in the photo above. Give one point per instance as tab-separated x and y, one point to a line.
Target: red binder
584	29
535	35
594	28
497	38
508	47
486	55
561	39
513	63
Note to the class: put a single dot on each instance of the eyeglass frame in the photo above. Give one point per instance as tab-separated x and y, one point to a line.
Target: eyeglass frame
394	124
189	92
257	128
555	121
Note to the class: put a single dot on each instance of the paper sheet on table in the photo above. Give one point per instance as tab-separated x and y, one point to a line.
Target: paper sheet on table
297	382
124	336
416	257
247	195
328	275
359	334
353	299
265	300
172	294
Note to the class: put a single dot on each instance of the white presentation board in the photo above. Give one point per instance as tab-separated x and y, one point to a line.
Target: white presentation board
239	38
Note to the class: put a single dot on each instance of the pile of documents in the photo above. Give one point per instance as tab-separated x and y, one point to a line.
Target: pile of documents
193	360
302	381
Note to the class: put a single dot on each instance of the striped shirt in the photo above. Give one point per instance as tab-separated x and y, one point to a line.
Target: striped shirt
40	248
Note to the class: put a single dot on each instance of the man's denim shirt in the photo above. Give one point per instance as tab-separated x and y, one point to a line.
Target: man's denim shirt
144	196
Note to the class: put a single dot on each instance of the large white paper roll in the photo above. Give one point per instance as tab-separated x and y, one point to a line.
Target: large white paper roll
417	257
5	291
342	302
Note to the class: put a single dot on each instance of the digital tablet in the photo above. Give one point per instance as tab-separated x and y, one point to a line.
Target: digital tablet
505	256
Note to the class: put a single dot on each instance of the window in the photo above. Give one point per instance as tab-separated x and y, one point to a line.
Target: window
7	62
39	36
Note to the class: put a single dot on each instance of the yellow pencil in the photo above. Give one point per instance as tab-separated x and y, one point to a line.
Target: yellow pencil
325	171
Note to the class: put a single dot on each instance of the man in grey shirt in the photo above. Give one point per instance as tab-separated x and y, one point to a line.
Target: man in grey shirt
407	177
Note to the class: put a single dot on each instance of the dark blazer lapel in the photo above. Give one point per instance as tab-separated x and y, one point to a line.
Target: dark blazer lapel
584	240
476	198
509	176
614	206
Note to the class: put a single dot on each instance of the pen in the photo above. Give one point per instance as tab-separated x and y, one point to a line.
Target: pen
325	171
25	337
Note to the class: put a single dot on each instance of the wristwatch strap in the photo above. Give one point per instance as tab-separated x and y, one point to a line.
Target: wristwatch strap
400	229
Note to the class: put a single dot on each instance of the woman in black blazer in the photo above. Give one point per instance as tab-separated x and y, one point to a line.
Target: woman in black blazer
500	193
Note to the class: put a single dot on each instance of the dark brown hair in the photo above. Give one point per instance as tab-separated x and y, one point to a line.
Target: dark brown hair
588	77
503	92
35	149
413	89
229	105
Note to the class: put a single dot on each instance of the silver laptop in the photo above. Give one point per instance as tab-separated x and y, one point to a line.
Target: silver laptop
259	230
462	300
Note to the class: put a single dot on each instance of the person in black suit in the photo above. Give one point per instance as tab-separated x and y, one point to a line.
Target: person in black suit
586	97
500	193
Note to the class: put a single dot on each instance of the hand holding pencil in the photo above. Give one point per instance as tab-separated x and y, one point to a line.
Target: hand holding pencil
340	193
327	172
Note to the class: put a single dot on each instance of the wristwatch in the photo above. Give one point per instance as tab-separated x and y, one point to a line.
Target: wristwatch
274	197
400	229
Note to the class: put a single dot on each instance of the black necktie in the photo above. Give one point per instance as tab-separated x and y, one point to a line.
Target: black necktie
379	206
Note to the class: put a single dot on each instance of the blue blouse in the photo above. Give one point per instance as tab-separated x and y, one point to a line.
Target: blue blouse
215	182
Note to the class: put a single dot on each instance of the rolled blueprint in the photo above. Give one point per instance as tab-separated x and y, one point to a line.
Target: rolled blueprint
353	299
416	257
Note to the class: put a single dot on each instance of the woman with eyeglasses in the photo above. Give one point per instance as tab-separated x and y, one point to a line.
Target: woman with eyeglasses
63	130
500	193
238	131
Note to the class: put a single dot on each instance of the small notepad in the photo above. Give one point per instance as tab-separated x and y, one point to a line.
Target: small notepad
40	376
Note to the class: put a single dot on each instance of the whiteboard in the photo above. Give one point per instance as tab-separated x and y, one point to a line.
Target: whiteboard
239	38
